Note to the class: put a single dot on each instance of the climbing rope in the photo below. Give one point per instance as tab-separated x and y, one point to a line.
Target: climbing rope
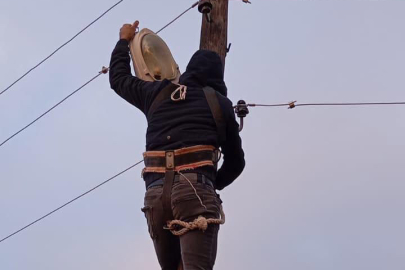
200	223
195	191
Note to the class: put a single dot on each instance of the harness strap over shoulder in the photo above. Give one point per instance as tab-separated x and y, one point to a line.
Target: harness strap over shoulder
216	111
165	93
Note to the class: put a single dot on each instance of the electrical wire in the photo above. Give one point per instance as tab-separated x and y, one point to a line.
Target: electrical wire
293	104
175	19
81	31
103	71
71	201
267	105
350	104
60	47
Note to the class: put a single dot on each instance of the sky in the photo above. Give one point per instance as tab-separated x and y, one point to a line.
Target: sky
322	188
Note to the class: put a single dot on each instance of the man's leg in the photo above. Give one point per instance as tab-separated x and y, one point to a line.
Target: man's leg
167	246
198	248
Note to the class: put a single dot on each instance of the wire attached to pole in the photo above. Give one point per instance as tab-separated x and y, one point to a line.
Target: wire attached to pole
292	105
71	201
104	70
175	19
241	109
60	47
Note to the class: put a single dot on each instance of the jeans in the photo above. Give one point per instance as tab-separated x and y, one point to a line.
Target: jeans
195	250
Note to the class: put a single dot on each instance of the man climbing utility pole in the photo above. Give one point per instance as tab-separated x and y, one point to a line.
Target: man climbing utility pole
191	124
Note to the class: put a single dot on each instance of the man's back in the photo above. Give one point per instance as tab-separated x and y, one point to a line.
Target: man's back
182	123
187	122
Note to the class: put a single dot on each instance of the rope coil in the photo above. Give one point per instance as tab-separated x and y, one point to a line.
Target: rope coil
200	223
182	91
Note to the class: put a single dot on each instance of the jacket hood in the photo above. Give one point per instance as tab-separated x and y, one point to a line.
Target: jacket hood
205	69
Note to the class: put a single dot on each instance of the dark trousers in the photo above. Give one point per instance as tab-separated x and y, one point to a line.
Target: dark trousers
195	249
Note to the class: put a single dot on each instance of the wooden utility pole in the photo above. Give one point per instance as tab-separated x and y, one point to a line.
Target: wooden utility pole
214	33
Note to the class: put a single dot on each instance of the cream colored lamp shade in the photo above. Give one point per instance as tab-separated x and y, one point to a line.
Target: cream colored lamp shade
152	58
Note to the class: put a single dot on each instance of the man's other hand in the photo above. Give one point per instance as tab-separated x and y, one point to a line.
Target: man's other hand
127	31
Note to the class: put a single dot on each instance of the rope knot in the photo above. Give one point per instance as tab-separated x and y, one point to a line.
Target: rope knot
201	223
182	92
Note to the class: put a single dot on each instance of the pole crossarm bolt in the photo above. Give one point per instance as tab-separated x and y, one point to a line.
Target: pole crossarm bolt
228	48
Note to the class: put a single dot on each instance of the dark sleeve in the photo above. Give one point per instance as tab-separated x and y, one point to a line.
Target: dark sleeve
130	88
233	155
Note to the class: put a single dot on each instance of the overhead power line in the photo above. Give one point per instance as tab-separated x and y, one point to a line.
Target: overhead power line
71	201
60	47
103	71
175	19
241	109
293	104
81	31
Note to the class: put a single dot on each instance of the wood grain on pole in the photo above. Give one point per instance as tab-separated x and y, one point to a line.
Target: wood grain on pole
214	34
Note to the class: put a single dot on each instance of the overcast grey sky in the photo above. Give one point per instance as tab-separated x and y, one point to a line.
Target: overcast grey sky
323	187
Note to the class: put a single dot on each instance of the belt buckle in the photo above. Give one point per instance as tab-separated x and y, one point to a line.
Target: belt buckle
169	160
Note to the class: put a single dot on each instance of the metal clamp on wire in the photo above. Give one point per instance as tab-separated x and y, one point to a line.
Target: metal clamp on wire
241	110
292	105
104	70
205	7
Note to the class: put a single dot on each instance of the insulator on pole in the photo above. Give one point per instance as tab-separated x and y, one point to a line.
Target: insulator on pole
205	7
241	110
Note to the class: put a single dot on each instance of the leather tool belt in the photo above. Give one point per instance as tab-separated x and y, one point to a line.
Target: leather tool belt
180	159
170	162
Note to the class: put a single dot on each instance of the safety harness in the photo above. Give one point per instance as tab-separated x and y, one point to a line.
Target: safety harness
210	95
180	159
175	161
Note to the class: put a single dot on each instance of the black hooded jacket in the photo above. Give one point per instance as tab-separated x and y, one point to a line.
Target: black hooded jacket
175	125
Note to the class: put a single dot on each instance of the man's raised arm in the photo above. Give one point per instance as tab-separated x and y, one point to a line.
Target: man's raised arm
130	88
